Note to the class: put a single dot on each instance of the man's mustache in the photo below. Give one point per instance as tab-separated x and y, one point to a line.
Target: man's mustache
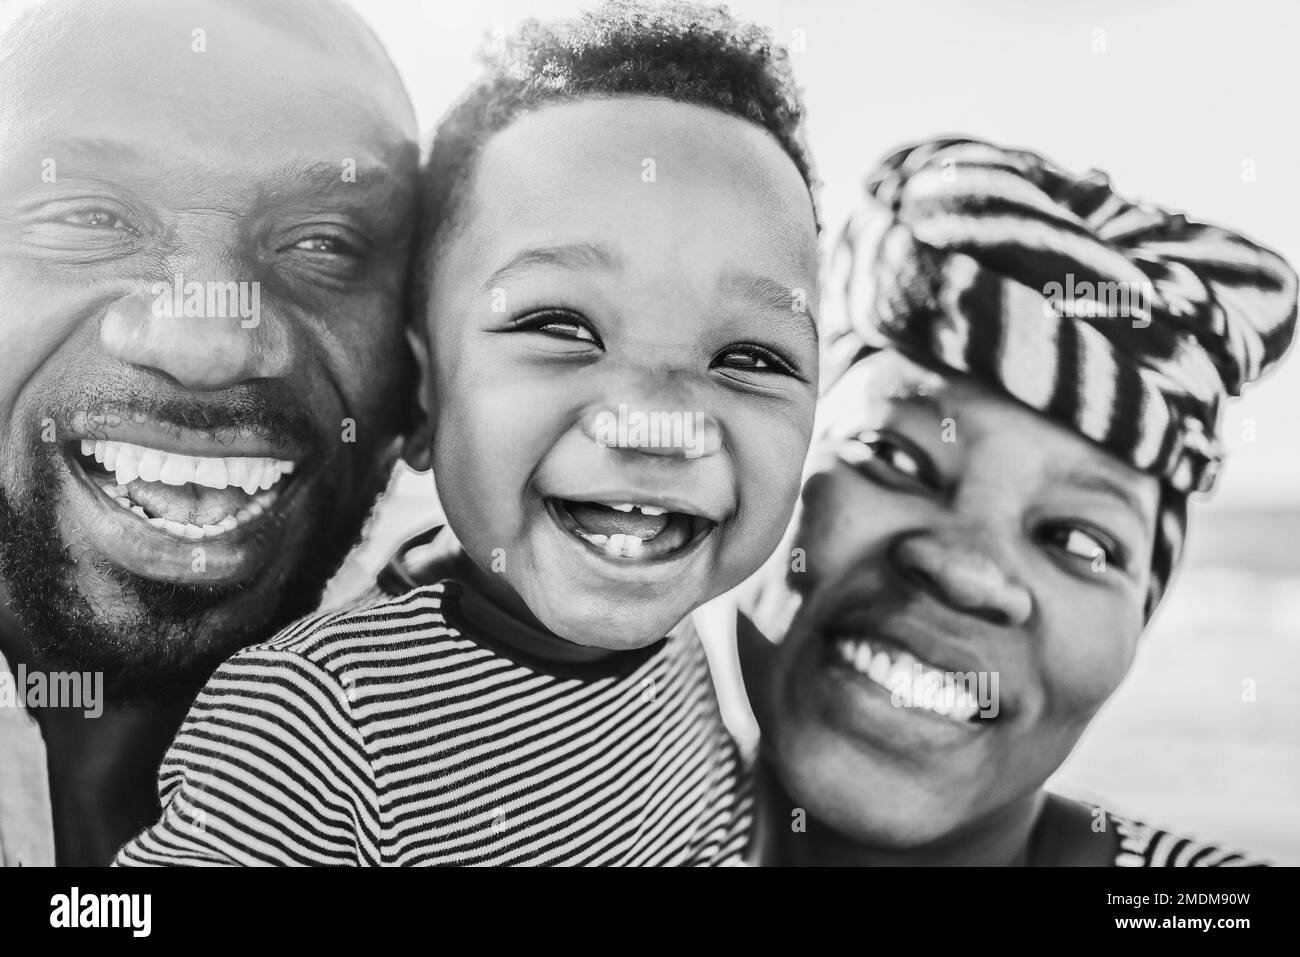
275	417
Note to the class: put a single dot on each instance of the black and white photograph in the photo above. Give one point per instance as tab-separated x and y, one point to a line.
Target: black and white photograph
650	434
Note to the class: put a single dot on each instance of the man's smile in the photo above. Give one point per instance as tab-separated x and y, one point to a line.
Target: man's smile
148	502
185	495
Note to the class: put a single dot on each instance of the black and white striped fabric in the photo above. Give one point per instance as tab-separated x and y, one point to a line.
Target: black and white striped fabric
1123	322
1141	845
386	736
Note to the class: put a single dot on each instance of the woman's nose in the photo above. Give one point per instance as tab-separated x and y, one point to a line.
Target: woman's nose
965	574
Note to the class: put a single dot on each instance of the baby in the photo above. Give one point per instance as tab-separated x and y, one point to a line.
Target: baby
619	361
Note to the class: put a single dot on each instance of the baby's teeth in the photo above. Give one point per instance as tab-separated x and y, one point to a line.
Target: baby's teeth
623	546
623	507
150	464
211	473
176	470
653	510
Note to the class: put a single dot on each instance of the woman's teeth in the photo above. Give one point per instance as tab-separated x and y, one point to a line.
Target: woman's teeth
131	462
912	682
252	510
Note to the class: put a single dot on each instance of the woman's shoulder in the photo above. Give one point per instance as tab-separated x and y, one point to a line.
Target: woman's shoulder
1076	833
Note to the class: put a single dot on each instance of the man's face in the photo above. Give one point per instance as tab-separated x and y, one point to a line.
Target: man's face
624	364
942	530
203	232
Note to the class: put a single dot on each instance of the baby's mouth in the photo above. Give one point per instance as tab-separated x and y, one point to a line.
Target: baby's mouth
629	531
185	496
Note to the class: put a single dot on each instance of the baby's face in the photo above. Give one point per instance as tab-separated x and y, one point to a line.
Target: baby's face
624	361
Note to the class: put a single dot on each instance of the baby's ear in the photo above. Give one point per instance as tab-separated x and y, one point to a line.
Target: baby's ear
417	448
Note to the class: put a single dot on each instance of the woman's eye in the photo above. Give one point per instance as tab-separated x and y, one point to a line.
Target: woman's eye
889	461
900	460
1083	544
752	359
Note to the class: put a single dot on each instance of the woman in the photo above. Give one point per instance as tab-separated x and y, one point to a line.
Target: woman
1033	369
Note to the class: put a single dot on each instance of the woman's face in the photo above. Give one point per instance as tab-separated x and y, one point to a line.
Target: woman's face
946	538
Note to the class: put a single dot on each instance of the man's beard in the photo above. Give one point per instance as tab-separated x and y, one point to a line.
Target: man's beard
164	645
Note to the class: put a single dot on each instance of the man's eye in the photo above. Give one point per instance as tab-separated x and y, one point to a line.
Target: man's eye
752	359
325	245
95	219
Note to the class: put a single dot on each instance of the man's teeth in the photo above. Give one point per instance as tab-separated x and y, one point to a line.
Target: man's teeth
131	462
252	510
944	693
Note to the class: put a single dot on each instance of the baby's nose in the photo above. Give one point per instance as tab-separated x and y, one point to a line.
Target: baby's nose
643	428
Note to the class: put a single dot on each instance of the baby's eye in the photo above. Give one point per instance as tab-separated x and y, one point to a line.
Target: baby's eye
752	359
560	324
568	329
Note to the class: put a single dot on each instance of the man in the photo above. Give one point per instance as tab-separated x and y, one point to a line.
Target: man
204	230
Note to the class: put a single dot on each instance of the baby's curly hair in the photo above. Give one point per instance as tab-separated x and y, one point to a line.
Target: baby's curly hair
678	51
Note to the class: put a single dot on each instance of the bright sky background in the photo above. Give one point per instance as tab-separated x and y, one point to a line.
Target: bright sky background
1174	99
1171	99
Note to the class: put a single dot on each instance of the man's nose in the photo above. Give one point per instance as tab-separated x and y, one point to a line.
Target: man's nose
965	574
233	340
653	415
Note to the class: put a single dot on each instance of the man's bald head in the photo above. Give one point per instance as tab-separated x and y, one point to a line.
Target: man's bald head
51	31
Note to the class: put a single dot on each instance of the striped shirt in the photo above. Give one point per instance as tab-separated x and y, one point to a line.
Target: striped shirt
1141	845
389	735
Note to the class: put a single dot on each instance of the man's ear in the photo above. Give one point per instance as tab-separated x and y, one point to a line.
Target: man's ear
417	448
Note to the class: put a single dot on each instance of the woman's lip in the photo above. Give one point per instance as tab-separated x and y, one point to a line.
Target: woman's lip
864	711
135	546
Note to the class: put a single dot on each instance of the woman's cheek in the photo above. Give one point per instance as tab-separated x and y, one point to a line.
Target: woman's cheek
1090	651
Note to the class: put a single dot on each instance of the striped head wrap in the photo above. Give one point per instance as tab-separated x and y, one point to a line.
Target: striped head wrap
1125	323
